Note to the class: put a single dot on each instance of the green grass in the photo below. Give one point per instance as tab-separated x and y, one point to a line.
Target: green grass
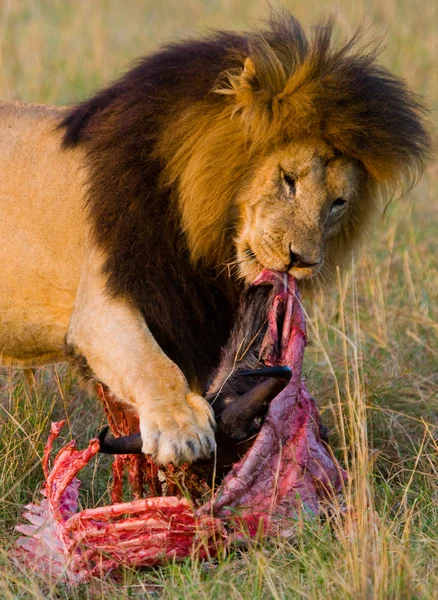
372	361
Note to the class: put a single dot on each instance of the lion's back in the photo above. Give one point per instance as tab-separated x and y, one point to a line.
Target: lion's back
42	232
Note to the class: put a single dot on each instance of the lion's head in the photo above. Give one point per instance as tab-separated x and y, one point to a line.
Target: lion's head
284	162
299	200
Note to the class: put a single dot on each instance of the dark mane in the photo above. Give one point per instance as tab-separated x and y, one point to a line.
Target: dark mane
141	132
188	310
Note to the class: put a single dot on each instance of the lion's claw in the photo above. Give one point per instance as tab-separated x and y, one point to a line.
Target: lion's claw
178	432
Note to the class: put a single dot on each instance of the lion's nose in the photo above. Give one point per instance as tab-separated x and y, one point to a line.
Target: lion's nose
298	262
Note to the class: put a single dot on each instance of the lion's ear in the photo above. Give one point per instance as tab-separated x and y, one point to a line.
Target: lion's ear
249	71
254	89
241	83
251	97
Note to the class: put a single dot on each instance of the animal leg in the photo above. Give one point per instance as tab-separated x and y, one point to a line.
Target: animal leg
176	424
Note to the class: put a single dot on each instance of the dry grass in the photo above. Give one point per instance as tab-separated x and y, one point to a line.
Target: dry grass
373	356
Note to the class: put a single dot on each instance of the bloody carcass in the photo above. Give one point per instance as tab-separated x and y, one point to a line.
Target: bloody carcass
271	463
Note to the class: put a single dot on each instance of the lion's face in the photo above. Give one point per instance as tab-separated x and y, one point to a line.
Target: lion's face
299	199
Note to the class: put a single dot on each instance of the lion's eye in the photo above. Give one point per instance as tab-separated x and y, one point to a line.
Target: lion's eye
290	181
339	203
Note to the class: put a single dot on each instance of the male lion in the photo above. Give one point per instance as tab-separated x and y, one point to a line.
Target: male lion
130	222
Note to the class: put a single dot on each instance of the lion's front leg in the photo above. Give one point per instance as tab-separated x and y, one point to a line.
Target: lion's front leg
176	425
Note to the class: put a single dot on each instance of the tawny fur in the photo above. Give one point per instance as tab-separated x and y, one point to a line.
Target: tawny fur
42	233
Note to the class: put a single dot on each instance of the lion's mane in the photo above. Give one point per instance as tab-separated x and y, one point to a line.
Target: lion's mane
173	141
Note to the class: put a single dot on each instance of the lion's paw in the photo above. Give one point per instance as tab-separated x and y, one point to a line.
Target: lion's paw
178	432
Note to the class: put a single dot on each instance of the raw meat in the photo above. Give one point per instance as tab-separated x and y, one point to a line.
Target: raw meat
285	471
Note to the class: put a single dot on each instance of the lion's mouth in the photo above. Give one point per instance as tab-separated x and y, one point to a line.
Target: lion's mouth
251	265
300	273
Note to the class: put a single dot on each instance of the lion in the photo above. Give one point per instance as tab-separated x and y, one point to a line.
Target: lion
132	221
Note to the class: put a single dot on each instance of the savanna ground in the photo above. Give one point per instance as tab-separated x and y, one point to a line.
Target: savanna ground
373	355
